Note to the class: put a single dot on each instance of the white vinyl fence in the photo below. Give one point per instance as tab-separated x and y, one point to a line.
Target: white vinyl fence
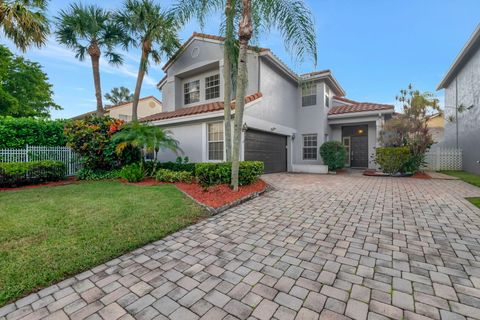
36	153
444	159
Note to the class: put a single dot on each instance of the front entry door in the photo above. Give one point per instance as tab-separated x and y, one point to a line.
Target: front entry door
359	152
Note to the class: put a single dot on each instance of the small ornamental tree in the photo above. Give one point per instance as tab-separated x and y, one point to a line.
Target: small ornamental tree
91	138
333	155
410	128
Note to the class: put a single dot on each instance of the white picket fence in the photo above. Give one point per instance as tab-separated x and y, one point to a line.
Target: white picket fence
444	159
36	153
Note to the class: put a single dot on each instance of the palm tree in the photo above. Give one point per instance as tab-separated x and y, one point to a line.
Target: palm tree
291	17
90	30
119	95
153	30
146	137
24	22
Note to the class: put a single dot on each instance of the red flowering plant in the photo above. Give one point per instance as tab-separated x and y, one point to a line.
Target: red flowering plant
91	138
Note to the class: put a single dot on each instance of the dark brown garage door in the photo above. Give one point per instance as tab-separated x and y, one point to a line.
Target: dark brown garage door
267	147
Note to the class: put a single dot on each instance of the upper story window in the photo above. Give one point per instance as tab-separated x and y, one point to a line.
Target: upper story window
309	147
309	94
191	91
212	87
327	97
215	141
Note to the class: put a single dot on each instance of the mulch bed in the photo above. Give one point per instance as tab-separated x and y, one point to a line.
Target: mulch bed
374	173
220	195
215	196
69	180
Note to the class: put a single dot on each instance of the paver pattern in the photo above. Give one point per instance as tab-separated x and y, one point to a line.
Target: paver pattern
316	247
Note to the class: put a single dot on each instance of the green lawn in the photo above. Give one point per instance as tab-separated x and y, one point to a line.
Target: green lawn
47	234
475	201
465	176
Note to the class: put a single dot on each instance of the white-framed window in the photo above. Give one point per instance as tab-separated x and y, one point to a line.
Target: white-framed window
191	91
125	117
309	94
212	87
215	141
327	97
309	147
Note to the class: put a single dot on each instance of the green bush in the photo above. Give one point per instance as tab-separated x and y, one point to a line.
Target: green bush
165	175
16	133
91	138
95	175
209	174
132	173
333	155
151	167
14	174
392	159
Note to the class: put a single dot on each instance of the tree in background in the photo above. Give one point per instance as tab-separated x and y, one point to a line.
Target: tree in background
151	29
119	95
24	22
90	30
410	128
24	87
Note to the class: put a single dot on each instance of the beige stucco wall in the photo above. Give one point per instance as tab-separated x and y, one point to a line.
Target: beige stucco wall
146	107
436	126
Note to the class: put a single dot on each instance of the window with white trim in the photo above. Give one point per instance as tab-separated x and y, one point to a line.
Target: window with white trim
327	97
215	141
309	147
212	87
191	92
309	94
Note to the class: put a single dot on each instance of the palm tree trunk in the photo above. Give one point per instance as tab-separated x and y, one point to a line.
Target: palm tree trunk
94	52
138	85
227	78
245	34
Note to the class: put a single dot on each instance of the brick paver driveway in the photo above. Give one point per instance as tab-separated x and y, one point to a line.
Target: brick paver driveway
328	247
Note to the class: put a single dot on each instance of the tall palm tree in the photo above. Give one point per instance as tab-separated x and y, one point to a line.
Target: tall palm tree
24	22
291	17
153	30
90	30
119	95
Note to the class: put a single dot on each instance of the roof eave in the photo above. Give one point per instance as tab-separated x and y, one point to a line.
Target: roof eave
360	113
472	42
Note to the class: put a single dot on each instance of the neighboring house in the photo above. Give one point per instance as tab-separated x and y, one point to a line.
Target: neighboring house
287	116
123	111
436	126
462	88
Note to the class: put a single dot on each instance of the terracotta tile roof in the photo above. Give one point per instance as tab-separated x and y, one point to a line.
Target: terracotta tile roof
359	107
124	103
203	108
203	36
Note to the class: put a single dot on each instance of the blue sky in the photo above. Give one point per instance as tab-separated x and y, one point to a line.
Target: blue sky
374	48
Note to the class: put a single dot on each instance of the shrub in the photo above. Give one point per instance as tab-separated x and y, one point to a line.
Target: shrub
165	175
132	173
209	174
392	159
94	175
16	133
151	167
91	138
333	155
14	174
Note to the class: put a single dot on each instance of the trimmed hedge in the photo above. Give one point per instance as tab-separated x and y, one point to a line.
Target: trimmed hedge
165	175
209	174
13	174
96	175
16	133
392	159
333	154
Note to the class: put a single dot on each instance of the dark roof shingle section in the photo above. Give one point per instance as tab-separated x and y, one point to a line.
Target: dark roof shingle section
203	108
359	107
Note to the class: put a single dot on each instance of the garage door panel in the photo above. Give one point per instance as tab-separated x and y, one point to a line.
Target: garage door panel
267	147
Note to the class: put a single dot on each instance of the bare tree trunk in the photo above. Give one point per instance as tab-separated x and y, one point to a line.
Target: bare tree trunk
94	52
245	34
141	73
227	78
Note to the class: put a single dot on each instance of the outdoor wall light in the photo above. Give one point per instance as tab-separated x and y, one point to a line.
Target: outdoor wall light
293	136
360	131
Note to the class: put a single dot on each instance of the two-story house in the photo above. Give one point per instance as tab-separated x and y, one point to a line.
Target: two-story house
287	116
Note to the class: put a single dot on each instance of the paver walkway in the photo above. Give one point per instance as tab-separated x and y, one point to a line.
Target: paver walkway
328	247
